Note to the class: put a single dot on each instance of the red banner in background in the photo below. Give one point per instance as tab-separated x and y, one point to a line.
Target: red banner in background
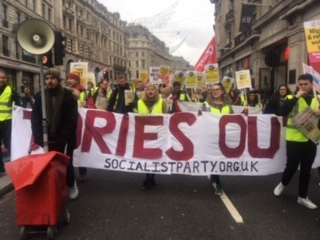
208	56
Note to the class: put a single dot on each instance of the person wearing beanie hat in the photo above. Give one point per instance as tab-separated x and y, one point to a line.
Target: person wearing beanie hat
62	119
79	92
53	72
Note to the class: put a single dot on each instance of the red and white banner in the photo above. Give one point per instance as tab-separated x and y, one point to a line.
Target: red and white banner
181	143
208	56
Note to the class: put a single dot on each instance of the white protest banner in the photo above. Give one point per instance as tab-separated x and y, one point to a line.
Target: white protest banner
243	79
82	69
154	75
180	143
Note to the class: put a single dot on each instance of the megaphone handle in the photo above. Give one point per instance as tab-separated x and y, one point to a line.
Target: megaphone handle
44	109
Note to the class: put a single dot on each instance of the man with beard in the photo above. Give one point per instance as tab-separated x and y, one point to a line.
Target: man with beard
117	99
62	119
100	97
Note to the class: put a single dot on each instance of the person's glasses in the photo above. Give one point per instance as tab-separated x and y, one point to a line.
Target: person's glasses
216	89
282	89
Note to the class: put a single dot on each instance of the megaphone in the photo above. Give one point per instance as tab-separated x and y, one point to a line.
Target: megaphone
35	36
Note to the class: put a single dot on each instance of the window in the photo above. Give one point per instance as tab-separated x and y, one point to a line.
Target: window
142	54
18	18
137	54
70	25
34	5
43	10
17	49
5	46
49	14
143	63
4	16
137	74
26	3
137	63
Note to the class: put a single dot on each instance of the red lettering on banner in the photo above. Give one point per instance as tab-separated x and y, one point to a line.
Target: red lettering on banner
97	133
140	136
187	145
274	140
122	139
79	130
225	150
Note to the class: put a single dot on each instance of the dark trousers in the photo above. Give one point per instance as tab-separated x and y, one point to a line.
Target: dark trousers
302	153
215	178
69	152
5	139
150	177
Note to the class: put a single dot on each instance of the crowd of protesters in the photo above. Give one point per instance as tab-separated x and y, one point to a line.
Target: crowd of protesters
62	103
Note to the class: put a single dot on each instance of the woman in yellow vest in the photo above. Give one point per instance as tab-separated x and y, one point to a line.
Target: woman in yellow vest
218	102
151	103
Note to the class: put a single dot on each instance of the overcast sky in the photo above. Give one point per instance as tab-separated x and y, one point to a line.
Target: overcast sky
184	25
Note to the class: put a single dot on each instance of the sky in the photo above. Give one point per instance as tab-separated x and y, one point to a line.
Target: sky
185	26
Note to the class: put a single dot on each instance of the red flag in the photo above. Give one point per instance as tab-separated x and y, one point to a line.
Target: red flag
208	56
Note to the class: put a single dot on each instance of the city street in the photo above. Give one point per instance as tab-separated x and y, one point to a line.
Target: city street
111	205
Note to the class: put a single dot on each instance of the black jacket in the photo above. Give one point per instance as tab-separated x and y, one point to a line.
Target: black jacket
117	102
66	130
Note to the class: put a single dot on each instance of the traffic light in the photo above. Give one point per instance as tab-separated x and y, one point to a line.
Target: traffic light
47	59
106	74
59	48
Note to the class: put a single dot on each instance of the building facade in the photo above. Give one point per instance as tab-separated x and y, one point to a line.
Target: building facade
93	35
274	47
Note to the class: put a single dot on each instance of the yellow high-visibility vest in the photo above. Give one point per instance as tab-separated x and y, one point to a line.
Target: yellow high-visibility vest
157	108
5	104
292	132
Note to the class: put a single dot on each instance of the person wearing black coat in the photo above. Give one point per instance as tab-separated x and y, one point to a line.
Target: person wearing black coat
117	98
62	119
277	100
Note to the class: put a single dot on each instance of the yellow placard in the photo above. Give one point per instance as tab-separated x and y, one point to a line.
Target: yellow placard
200	80
312	33
82	69
191	79
227	83
211	73
164	73
179	77
143	76
243	79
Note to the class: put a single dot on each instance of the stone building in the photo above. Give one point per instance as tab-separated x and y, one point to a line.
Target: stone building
274	48
145	50
93	34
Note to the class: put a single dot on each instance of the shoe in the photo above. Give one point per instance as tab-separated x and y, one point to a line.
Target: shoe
278	190
3	173
152	183
82	178
145	185
307	203
73	192
218	190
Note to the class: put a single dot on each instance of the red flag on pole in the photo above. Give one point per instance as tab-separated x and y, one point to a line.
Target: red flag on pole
208	56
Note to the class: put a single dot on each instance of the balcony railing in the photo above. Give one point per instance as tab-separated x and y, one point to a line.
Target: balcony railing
5	23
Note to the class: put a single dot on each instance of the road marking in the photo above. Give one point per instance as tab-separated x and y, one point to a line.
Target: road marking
231	208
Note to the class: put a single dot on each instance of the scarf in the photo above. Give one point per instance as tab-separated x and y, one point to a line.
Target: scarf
54	98
150	102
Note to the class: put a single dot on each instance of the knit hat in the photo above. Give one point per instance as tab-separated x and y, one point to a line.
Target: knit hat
54	72
74	75
166	91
